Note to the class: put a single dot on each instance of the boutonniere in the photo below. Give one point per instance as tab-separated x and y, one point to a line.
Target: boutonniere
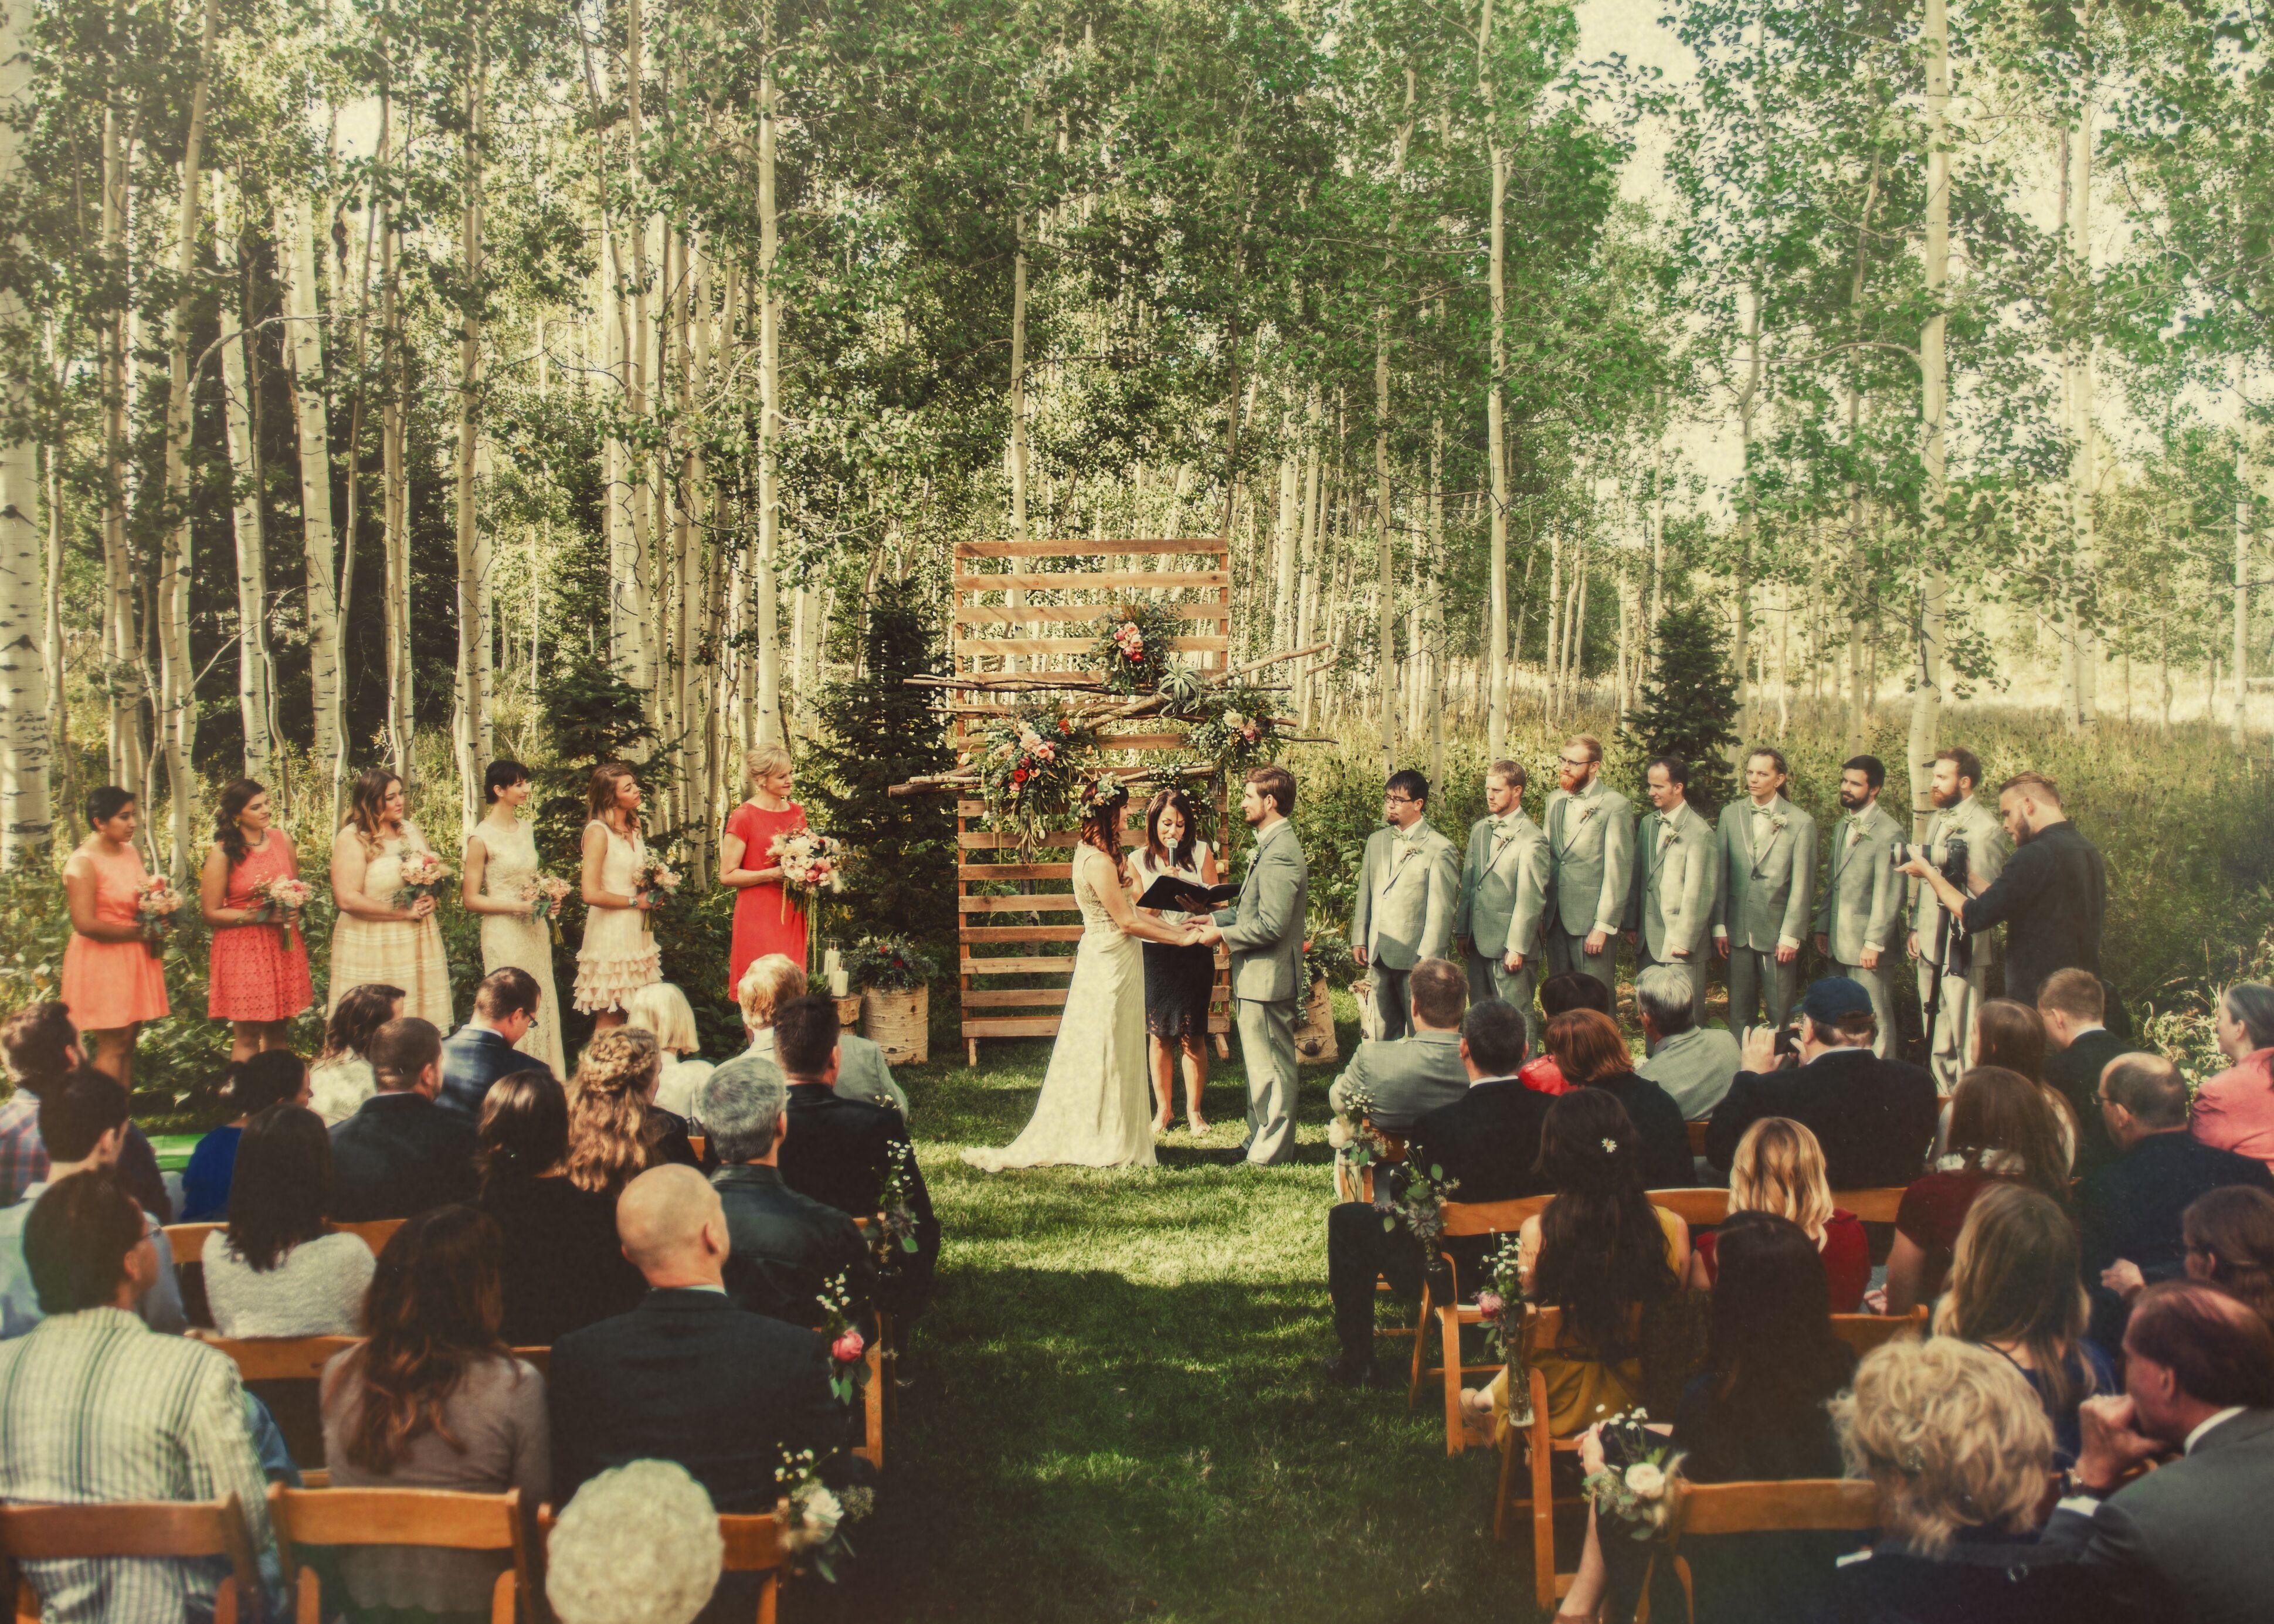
1776	825
1589	813
1667	836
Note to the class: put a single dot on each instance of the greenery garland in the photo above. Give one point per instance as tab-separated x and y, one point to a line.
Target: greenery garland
1035	765
1231	728
1136	644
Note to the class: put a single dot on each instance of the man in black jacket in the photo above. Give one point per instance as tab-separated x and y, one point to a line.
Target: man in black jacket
2131	1208
2073	1003
482	1050
786	1248
400	1154
687	1376
1487	1142
1874	1118
847	1154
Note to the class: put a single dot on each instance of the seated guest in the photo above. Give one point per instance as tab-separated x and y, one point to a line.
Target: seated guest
2011	1034
2187	1540
400	1154
1590	1054
82	1124
862	1072
787	1247
1408	1077
2013	1290
42	1048
1603	1254
274	1271
661	1008
2230	1236
2235	1111
1755	1412
2001	1128
1488	1141
616	1130
434	1400
340	1079
2073	1003
1960	1449
1693	1063
687	1376
1874	1118
1779	1168
96	1408
1560	994
639	1543
2132	1209
482	1050
563	1266
271	1077
843	1153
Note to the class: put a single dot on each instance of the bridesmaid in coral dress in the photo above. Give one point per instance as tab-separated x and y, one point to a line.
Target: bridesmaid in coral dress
112	982
764	920
259	978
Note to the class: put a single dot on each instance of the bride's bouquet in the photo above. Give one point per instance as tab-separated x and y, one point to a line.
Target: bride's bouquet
281	898
155	902
811	862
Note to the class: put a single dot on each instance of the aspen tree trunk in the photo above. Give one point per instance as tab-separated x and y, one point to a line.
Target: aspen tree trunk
1284	535
1497	653
304	351
1858	575
2239	729
122	636
351	530
1385	586
396	504
2082	651
647	667
1018	365
29	640
1926	695
1436	593
1657	537
769	679
252	556
472	722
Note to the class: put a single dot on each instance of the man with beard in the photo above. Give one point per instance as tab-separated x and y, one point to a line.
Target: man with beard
1856	921
1670	916
2049	895
1503	898
1942	955
1591	831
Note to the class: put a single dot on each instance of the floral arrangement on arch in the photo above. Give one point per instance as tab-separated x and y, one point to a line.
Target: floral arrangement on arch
1233	728
1135	645
1033	767
890	964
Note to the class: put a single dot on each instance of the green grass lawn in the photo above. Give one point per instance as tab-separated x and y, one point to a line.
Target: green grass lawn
1118	1410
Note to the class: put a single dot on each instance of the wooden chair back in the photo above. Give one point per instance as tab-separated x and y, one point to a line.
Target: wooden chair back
375	1232
1872	1205
1701	1208
701	1144
541	1358
133	1528
188	1241
752	1545
1865	1331
1801	1506
279	1359
440	1519
1697	1136
1469	1218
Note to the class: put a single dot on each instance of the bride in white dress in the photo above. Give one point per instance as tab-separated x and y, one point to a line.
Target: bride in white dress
1096	1105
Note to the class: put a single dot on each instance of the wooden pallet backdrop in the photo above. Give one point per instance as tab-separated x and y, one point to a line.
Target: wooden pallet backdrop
1191	577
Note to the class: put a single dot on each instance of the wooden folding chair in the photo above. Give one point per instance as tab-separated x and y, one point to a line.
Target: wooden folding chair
753	1545
1872	1205
1462	1218
1700	1208
438	1519
1865	1331
375	1232
284	1372
1357	1183
700	1143
1697	1136
1807	1505
541	1358
188	1241
1541	1326
888	1344
132	1528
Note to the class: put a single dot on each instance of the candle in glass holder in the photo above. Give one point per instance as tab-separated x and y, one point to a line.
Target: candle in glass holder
840	983
830	962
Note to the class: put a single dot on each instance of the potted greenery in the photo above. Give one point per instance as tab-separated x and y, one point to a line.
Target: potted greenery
894	976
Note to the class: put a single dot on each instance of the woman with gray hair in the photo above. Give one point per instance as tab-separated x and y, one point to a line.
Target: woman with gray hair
2235	1109
638	1544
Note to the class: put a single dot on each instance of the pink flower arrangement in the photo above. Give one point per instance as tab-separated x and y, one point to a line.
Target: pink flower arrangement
281	898
155	902
848	1348
811	862
423	874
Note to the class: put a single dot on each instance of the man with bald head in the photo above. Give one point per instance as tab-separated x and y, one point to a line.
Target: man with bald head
687	1376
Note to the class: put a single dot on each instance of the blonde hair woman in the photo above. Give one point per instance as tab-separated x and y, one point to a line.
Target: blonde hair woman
1779	1167
381	937
863	1072
616	1131
619	955
766	920
661	1008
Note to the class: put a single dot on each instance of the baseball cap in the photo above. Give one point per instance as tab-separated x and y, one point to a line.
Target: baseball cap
1833	997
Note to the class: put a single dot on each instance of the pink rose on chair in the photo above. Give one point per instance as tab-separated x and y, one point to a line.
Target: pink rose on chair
848	1348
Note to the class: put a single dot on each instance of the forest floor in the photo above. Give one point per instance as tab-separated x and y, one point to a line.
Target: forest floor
1118	1410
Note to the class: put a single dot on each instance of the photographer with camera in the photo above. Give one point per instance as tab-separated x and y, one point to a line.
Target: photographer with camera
2049	895
1965	843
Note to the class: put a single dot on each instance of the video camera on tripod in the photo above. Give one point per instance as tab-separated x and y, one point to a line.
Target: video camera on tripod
1952	949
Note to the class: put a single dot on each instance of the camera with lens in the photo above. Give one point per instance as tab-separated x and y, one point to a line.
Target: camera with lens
1948	857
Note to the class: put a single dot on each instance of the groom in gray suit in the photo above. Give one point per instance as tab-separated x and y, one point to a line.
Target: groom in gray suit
1264	931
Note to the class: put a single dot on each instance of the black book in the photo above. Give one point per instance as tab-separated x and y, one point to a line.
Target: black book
1168	892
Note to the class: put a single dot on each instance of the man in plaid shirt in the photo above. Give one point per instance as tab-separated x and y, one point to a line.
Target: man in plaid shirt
40	1045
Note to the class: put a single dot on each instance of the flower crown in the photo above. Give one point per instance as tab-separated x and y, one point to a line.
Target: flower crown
1103	792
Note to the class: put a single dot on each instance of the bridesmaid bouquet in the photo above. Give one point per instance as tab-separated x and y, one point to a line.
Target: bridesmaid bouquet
811	863
543	892
423	874
155	901
281	898
654	874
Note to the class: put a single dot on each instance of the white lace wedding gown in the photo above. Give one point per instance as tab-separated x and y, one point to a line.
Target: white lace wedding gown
1097	1105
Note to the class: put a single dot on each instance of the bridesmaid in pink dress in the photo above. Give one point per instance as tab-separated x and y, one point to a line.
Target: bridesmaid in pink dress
763	923
258	981
112	983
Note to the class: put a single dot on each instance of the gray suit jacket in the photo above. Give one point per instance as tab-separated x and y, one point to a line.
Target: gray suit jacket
1590	858
1987	848
1406	1078
2186	1541
1503	898
1408	891
1765	896
1863	893
1675	884
1264	928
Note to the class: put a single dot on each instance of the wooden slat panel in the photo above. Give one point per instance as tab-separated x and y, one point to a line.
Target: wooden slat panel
1082	546
986	839
1030	964
1016	871
1021	933
989	615
1041	902
1015	998
977	647
1093	581
1012	1027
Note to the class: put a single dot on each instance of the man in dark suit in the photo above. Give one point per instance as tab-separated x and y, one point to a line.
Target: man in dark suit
1487	1141
2073	1003
786	1248
687	1376
2132	1207
1875	1118
844	1152
400	1154
482	1050
2188	1540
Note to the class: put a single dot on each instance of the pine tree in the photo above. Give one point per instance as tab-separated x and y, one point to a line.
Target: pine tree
1687	705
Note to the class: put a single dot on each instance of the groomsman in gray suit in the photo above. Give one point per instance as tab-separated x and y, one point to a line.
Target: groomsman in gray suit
1670	916
1863	894
1769	879
1590	864
1504	899
1408	891
1264	930
1410	1078
1958	816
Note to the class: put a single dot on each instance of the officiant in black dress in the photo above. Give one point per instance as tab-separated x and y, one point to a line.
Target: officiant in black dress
1177	980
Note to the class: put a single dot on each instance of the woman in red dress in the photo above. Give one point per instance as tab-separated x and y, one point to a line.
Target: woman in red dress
765	920
259	982
112	981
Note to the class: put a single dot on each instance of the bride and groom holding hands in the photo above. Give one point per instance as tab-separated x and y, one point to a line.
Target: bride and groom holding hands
1096	1109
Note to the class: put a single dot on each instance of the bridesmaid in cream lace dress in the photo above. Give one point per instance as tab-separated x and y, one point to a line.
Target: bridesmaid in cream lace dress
381	937
500	863
619	955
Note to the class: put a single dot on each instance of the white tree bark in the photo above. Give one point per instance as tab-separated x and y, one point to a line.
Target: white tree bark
764	606
2239	728
26	641
304	352
1496	648
1927	693
253	701
473	718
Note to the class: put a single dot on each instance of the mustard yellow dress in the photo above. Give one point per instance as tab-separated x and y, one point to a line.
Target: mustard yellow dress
1581	1389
